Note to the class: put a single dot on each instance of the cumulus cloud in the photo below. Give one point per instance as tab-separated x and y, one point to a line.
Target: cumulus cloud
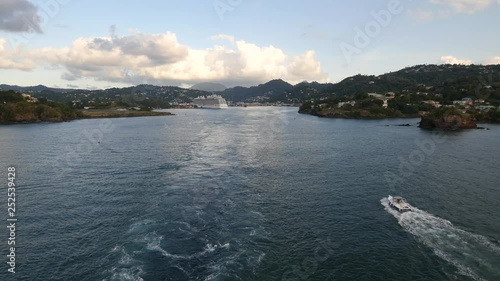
160	58
13	58
19	16
454	60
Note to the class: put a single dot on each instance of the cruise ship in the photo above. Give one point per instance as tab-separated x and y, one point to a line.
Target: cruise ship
212	101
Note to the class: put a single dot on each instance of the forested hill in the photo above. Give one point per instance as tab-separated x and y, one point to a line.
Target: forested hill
451	82
16	108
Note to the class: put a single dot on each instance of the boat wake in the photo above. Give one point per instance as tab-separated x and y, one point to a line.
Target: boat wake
154	244
473	255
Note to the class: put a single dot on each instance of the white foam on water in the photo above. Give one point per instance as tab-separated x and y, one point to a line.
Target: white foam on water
127	268
140	226
186	224
189	233
126	258
153	241
116	248
257	213
209	248
260	258
473	255
182	269
127	274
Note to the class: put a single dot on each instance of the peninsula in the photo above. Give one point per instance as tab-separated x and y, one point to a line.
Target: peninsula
23	108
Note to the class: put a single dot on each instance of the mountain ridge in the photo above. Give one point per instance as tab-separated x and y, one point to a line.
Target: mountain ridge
450	81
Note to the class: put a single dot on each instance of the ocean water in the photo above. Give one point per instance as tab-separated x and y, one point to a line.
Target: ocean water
250	194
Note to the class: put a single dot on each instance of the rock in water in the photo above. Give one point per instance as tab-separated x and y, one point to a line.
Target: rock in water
447	119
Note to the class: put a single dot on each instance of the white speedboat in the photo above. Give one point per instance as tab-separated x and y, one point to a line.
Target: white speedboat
399	203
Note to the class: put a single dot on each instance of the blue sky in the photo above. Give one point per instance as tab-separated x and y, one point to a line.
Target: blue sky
100	44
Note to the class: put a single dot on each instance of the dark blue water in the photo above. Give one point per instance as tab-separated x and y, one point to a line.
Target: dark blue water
251	194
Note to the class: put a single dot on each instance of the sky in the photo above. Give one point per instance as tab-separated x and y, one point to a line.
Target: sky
92	44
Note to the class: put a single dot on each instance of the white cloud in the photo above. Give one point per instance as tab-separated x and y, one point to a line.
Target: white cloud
464	6
12	58
494	60
454	60
160	58
444	8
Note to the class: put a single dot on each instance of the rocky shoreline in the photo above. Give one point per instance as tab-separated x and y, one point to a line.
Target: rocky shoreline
447	119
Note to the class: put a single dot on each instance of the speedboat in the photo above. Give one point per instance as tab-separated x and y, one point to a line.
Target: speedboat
399	203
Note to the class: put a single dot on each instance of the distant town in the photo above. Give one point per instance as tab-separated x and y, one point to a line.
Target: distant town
410	92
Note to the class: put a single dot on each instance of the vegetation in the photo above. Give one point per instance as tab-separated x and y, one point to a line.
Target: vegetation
415	89
14	109
491	116
361	106
447	118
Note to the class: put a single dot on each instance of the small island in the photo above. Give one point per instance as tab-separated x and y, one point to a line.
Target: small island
23	108
447	118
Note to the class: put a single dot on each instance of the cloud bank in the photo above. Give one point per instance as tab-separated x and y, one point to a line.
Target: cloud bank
454	60
14	58
161	59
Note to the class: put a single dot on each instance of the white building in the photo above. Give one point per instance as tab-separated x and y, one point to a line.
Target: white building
341	104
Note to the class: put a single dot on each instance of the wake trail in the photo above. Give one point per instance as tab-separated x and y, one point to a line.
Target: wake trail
473	254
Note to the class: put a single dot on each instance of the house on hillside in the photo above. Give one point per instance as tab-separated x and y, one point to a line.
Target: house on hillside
433	103
29	98
377	96
341	104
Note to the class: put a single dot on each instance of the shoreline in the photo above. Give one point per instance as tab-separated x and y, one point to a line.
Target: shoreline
363	118
121	114
485	122
98	115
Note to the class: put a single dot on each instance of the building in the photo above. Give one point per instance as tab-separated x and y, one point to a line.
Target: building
29	98
485	107
377	96
464	102
433	103
390	95
341	104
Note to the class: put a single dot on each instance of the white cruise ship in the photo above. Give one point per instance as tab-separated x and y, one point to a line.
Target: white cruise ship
212	101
